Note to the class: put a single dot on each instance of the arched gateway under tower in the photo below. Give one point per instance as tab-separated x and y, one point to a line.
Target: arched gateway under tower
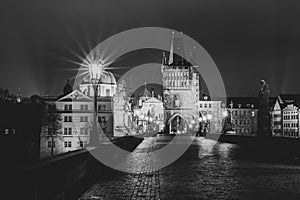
177	124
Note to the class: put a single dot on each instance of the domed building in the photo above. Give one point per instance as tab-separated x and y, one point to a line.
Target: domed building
75	109
107	85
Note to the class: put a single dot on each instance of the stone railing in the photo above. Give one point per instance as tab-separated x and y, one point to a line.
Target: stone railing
65	176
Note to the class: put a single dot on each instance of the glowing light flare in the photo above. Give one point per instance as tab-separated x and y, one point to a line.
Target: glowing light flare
95	69
225	113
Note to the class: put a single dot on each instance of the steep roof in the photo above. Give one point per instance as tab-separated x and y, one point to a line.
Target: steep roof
146	92
285	99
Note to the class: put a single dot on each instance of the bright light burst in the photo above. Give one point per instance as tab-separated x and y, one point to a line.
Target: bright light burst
88	60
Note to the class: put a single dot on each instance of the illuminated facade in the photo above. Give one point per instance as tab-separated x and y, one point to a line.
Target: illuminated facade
285	116
180	89
244	115
70	116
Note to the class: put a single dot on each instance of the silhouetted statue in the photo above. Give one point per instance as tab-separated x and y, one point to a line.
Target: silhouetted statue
264	111
264	95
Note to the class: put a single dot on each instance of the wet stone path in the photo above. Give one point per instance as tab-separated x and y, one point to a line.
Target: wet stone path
225	172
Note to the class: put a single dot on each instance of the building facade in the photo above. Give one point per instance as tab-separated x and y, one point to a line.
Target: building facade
211	115
285	116
180	89
149	112
244	115
70	116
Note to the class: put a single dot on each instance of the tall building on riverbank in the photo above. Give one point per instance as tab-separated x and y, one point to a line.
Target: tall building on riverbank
285	116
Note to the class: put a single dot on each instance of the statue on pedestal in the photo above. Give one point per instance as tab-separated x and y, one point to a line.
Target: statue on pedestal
264	110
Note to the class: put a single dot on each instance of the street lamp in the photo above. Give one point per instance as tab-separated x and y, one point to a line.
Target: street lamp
225	113
95	70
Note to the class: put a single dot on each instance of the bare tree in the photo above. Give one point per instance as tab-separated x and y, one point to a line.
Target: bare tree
52	121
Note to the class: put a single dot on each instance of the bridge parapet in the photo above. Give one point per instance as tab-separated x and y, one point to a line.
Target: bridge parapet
65	176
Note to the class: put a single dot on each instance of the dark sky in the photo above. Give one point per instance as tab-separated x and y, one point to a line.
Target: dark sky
248	40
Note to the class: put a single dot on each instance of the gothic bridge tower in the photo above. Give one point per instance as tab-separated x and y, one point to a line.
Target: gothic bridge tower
180	89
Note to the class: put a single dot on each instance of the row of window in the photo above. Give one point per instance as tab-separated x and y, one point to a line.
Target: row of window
181	74
69	107
290	117
243	113
242	130
293	133
290	112
83	119
83	131
177	83
205	105
242	122
68	131
293	125
67	144
8	131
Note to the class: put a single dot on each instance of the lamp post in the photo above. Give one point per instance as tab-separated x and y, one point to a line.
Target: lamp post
95	70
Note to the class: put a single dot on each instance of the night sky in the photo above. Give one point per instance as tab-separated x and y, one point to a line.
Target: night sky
248	40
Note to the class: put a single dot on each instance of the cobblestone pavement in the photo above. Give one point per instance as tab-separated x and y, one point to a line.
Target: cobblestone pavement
223	173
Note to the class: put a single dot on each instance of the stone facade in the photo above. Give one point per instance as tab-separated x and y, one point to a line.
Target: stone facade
213	113
244	115
180	89
285	116
73	115
123	124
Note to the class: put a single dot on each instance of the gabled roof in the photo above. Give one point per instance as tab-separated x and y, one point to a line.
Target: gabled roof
285	99
146	92
76	95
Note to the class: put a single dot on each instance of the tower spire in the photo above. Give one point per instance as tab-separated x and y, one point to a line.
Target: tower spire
171	50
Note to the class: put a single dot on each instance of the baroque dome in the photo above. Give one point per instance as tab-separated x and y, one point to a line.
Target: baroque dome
106	78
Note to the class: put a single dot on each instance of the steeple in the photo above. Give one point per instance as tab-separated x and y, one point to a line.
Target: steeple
171	58
193	57
68	88
146	93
